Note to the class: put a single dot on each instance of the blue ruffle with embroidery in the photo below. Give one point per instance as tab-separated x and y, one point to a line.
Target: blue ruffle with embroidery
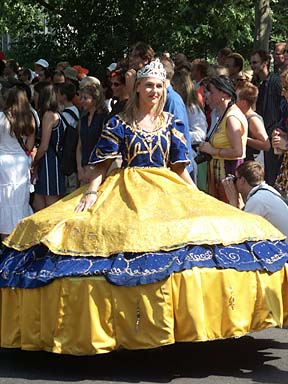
38	266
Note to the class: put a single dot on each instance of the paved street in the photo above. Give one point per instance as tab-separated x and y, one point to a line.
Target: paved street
257	358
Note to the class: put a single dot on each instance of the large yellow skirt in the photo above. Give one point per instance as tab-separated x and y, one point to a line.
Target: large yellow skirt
90	316
141	210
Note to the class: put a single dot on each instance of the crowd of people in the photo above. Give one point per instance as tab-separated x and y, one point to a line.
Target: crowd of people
230	114
163	146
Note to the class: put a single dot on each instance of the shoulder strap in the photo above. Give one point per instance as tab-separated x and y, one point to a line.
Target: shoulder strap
269	190
254	115
210	134
22	145
64	119
71	113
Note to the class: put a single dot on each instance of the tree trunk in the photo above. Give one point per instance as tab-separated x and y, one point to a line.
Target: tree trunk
262	24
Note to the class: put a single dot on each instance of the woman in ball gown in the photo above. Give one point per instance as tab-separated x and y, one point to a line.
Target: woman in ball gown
140	258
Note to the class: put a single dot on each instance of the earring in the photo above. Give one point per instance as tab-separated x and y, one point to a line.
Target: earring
222	99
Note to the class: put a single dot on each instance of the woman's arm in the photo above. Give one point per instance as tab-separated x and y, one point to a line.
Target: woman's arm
259	139
180	169
98	176
234	134
49	121
80	169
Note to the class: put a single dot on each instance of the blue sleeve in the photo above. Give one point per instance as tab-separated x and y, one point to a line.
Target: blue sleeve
108	146
178	148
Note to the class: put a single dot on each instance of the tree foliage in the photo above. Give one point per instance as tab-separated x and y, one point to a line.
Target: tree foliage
95	33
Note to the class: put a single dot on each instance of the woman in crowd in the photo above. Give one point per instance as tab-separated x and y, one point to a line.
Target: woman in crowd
227	141
120	94
47	175
121	258
257	139
182	83
17	135
91	124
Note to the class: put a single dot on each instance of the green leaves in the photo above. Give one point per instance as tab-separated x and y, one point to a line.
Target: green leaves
95	33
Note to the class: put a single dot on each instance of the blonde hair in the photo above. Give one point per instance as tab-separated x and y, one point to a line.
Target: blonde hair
132	106
96	92
88	80
183	84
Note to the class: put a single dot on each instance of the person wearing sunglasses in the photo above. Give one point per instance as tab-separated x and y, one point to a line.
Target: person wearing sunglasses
248	191
119	90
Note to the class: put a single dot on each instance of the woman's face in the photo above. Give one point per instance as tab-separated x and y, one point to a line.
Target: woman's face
214	96
150	91
87	101
118	87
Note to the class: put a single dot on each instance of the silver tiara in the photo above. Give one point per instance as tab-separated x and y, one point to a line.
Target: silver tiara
153	69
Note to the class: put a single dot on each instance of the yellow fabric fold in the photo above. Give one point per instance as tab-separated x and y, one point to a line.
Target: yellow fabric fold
89	315
139	209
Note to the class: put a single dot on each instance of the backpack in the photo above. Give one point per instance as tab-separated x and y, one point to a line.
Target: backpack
69	147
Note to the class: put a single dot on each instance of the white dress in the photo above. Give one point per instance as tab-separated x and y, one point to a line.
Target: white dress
14	179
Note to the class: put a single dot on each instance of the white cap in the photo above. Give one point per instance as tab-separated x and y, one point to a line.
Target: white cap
112	67
42	62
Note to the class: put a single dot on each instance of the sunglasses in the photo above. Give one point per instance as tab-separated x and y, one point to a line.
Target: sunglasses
115	84
285	51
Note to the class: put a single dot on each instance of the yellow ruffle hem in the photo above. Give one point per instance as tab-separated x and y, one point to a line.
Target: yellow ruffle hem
89	315
139	210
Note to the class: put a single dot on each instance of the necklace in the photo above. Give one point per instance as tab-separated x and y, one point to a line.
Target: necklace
147	135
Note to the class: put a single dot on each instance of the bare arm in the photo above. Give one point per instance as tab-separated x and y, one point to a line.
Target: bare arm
234	198
50	120
30	141
80	169
259	139
98	176
180	169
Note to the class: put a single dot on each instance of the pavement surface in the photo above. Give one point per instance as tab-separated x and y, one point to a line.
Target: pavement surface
261	357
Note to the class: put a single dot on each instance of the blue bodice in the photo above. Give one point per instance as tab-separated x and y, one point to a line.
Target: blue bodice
164	146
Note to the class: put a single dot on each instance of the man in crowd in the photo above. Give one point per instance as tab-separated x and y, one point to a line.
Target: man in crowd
175	105
249	191
234	62
268	106
222	55
278	56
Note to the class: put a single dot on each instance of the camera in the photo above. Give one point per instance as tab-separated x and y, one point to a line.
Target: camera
201	157
232	178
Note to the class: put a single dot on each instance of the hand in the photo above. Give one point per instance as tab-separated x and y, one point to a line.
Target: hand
231	191
208	148
130	78
87	201
279	140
